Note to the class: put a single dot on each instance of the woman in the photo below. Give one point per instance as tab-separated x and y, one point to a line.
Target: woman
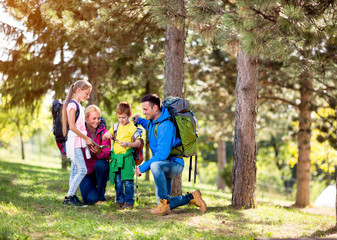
94	183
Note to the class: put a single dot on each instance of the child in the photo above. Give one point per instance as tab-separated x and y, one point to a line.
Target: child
77	137
122	164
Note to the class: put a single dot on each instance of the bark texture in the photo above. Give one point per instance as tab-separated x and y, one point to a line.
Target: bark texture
304	135
93	79
244	166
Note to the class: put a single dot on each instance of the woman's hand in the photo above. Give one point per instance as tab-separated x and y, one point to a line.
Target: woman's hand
96	149
106	136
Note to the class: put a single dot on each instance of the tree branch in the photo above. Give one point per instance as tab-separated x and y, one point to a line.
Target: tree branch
278	99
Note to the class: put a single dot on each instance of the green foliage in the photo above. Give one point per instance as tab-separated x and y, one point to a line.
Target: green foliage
166	12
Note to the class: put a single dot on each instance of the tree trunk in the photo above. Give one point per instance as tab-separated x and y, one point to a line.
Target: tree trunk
22	147
336	179
147	146
221	163
244	165
147	155
65	162
174	69
303	165
93	79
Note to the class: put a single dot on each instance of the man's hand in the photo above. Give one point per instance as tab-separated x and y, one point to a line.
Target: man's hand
138	173
135	118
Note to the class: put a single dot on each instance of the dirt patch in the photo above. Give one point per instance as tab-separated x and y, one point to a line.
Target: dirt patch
319	211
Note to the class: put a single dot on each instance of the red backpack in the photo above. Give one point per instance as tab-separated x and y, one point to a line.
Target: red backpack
137	152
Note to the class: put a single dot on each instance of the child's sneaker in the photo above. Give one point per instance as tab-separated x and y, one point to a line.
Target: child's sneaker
69	201
73	201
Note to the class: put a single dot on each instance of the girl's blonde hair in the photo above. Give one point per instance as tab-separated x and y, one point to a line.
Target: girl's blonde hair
80	84
92	108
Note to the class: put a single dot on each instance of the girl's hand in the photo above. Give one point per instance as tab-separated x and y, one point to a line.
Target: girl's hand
123	144
88	141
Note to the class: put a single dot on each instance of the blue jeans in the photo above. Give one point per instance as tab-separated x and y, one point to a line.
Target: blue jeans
78	170
125	189
93	185
163	173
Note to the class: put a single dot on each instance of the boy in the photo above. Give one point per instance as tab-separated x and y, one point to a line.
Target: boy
122	164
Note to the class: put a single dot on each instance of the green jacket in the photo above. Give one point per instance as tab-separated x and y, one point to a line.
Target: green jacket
124	162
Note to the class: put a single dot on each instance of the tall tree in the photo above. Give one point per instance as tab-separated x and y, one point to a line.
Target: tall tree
244	165
174	68
173	19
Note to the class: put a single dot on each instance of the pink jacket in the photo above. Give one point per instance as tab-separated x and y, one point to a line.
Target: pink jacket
105	152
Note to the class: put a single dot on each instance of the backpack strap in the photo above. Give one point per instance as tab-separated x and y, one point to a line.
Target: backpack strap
77	114
138	133
175	151
157	124
115	128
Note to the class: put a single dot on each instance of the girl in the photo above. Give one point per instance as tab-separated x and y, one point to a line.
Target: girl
77	137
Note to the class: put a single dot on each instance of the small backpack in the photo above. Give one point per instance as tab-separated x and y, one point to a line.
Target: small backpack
137	152
56	110
187	129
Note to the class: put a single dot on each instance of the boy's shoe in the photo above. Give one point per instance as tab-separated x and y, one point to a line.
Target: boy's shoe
198	201
127	205
162	208
119	204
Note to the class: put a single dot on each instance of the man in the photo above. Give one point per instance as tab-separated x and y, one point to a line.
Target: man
164	167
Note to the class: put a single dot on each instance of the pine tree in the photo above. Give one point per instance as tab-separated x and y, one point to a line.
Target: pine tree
272	29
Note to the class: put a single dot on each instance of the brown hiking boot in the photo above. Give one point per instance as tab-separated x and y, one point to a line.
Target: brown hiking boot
162	208
198	201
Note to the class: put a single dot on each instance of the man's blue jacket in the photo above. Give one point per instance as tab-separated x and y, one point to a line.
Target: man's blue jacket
161	145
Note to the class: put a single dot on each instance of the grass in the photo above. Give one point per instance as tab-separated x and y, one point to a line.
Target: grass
31	195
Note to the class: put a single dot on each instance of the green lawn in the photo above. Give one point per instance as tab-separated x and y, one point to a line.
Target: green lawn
31	196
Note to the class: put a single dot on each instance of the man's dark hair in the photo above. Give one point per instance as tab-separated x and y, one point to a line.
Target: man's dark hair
153	99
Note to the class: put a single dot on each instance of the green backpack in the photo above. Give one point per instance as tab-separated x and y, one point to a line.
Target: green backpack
187	129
